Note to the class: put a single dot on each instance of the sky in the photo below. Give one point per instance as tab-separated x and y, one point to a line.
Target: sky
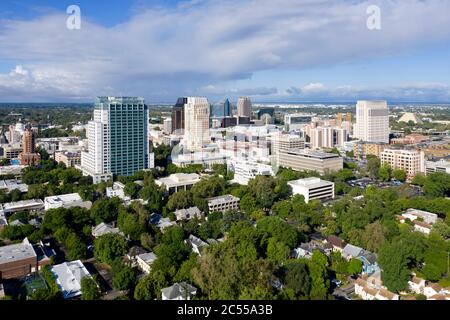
270	50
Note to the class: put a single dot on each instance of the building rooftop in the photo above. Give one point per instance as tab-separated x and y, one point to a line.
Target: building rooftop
13	184
181	289
23	204
148	257
68	276
16	252
311	182
312	154
179	178
63	198
222	199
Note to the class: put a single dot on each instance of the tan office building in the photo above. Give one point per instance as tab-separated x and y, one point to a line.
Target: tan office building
411	161
307	160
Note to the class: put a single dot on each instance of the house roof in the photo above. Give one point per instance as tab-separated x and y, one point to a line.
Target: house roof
416	280
68	277
436	287
182	289
351	250
148	257
386	293
336	241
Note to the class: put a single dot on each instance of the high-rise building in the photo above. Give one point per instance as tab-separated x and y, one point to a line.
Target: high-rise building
372	121
296	121
117	138
196	120
178	114
327	137
167	125
221	109
244	107
29	155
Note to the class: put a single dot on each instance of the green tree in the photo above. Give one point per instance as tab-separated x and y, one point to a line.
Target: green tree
124	277
385	172
109	247
318	270
296	277
355	266
89	289
180	200
399	175
105	210
373	166
132	190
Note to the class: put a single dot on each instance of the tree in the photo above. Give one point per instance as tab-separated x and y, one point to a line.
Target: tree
437	185
149	287
318	269
393	259
374	236
296	277
373	166
154	195
180	200
384	172
355	266
399	175
277	251
124	277
109	247
274	227
105	210
89	289
132	190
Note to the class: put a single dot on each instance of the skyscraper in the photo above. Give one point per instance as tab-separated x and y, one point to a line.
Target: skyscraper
372	121
244	107
178	114
196	120
117	138
29	155
221	109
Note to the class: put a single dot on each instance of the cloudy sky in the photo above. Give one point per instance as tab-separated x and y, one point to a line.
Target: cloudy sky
271	50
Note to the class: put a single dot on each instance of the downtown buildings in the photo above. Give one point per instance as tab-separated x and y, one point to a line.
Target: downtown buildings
117	138
411	161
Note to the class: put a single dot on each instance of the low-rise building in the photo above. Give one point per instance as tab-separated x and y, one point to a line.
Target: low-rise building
188	214
245	170
307	160
223	203
368	290
145	261
437	166
312	188
178	182
17	260
117	190
66	201
13	184
179	291
165	223
422	221
68	276
363	149
416	284
337	243
70	159
34	205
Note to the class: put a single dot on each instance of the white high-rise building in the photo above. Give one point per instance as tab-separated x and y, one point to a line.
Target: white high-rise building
244	107
196	122
327	137
117	138
372	121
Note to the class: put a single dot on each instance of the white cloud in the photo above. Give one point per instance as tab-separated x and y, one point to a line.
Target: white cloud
163	53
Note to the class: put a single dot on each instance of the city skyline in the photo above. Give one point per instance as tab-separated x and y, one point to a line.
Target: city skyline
291	51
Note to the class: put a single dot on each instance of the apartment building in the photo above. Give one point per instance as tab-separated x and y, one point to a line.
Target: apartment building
411	161
223	203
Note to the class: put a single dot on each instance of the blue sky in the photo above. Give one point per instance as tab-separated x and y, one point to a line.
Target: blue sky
284	50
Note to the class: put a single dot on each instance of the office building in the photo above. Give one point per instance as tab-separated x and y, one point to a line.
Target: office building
11	152
223	203
296	121
363	149
437	166
307	160
246	170
372	121
70	159
327	137
196	121
266	115
167	125
221	109
411	161
117	138
284	142
312	188
29	156
178	115
13	184
66	201
33	205
178	182
244	107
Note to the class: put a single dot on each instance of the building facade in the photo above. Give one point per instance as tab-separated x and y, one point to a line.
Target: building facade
411	161
306	160
178	114
372	121
117	138
223	203
29	156
244	107
196	120
312	188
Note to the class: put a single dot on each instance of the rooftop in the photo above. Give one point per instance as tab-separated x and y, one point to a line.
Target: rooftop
311	182
63	198
12	184
181	289
17	252
148	257
312	154
68	276
21	204
222	199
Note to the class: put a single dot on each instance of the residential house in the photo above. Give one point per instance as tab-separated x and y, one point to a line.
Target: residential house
133	253
179	291
188	214
145	261
105	228
371	290
68	276
196	244
337	243
416	284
